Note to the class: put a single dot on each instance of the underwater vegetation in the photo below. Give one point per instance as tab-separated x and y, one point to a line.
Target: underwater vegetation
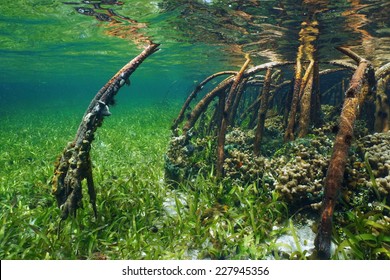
233	106
139	217
284	158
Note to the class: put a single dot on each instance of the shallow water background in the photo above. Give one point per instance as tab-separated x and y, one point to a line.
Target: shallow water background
53	57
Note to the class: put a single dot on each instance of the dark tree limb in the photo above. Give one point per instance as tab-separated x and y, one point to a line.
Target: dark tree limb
193	95
342	64
215	123
382	71
74	165
357	58
360	85
382	106
316	97
237	99
262	112
226	117
289	133
256	69
306	103
204	102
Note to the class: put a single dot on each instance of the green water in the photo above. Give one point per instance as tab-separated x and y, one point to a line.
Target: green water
50	54
54	60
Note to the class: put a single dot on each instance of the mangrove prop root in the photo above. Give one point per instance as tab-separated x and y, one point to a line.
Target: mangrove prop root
204	102
360	85
193	95
382	102
305	50
382	71
382	106
237	99
262	111
226	117
216	119
306	103
315	97
255	104
350	53
74	165
289	133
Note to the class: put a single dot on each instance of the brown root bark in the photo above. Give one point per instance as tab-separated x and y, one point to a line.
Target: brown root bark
262	112
382	106
360	85
204	102
357	58
382	71
289	133
226	117
308	34
306	103
316	97
74	165
193	95
237	99
382	102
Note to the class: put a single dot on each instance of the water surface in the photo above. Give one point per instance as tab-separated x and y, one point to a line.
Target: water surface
50	54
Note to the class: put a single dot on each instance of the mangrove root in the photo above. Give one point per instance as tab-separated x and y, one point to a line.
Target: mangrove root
226	117
361	84
382	103
303	86
74	165
193	95
262	111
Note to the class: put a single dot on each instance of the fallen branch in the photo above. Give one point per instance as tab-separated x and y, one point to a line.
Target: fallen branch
74	165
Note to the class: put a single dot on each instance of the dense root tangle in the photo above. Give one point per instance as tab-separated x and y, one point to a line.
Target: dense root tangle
229	123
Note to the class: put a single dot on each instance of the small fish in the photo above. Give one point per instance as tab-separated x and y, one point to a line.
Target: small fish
104	109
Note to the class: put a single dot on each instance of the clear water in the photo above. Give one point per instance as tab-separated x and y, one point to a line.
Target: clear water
51	55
